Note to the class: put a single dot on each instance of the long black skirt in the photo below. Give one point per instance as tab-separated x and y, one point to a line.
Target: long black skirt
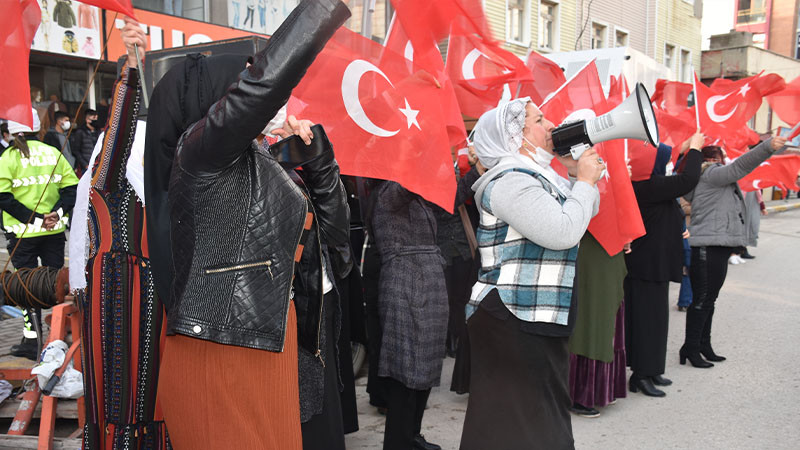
646	325
519	388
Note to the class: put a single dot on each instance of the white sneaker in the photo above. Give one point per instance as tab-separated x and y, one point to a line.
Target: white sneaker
733	260
741	260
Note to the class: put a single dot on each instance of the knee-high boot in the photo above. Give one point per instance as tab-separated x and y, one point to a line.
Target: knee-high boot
705	340
695	322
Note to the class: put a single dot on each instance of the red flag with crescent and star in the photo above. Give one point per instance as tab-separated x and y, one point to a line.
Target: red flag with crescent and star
383	121
547	78
786	103
481	70
430	60
618	220
730	104
778	170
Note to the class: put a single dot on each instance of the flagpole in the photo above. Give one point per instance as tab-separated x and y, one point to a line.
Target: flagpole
696	106
142	77
553	94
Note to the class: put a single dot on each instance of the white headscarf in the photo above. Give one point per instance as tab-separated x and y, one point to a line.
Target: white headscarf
498	132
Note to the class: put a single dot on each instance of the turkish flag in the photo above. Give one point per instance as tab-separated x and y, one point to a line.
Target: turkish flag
21	20
671	96
547	77
786	103
480	71
120	6
430	60
384	122
778	170
618	220
430	20
731	104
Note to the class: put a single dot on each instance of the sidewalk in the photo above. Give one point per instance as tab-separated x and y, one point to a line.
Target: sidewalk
775	206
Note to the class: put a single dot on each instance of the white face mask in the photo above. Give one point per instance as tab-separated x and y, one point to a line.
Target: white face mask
541	156
65	125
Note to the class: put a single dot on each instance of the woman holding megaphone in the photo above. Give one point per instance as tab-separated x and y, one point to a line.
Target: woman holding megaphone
521	311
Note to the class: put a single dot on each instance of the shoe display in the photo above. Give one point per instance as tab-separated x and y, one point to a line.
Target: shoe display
580	410
421	444
658	380
645	384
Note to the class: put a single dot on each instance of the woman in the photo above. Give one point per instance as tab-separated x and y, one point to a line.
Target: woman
597	347
37	191
246	247
521	311
654	261
717	227
121	399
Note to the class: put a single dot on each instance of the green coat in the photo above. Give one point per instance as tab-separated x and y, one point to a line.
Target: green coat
600	294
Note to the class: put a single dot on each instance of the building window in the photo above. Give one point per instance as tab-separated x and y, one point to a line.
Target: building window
599	33
620	38
669	55
517	20
687	69
751	11
548	23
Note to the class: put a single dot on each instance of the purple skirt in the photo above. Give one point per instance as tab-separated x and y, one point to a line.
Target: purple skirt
595	384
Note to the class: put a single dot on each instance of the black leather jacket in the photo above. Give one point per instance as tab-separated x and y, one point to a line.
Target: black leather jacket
237	217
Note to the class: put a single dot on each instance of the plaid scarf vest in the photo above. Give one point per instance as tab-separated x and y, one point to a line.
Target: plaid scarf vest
534	283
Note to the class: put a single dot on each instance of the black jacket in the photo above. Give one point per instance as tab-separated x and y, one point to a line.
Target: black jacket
237	217
658	255
82	144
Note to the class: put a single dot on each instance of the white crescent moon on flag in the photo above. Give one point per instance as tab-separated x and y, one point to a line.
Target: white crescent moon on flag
755	184
352	76
468	66
711	103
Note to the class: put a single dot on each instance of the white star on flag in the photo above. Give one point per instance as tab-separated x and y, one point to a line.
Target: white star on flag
411	115
743	90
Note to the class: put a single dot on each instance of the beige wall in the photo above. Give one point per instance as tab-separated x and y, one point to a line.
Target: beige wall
676	24
627	15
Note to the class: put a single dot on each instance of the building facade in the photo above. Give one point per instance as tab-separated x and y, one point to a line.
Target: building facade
667	31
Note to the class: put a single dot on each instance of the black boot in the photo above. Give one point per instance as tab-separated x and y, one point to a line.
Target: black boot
705	341
27	348
658	380
695	321
644	384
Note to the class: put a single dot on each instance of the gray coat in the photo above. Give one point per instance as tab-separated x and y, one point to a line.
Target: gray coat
718	208
412	301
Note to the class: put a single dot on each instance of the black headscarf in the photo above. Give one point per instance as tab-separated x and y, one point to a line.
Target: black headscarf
182	97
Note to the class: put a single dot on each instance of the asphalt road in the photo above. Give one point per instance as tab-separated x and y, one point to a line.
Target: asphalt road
747	401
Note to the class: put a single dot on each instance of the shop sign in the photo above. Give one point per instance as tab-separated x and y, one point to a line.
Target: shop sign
165	31
260	16
68	28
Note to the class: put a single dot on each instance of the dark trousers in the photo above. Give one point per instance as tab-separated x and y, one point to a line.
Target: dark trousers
646	325
519	388
404	416
369	280
708	271
50	249
459	280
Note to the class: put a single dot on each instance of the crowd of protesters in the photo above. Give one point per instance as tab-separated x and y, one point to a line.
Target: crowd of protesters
234	299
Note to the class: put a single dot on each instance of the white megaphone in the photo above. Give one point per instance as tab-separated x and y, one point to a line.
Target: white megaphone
634	118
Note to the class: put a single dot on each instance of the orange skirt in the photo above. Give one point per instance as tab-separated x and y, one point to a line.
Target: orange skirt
217	396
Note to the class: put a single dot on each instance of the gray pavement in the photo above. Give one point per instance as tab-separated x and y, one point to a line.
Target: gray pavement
747	401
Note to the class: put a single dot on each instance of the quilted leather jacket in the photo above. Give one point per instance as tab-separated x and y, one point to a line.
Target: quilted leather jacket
237	217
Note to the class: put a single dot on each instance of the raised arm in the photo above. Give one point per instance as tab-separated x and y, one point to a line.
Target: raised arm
724	175
231	124
660	188
521	201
